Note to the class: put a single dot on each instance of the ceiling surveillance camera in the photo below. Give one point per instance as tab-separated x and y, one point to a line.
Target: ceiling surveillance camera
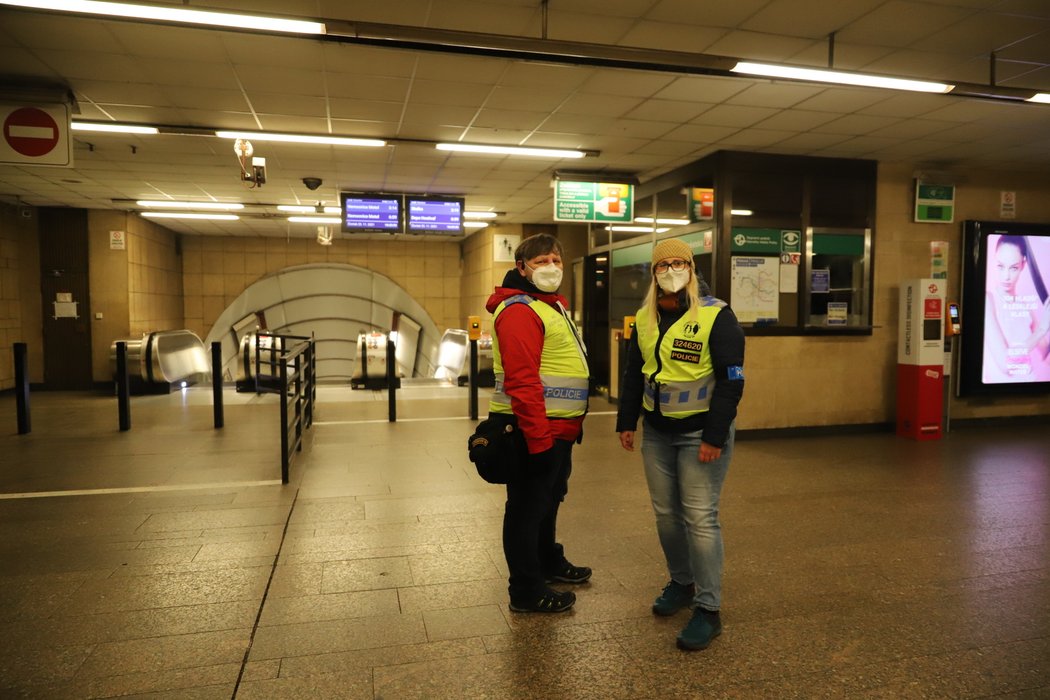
312	183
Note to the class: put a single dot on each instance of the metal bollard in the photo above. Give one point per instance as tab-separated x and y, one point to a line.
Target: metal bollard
123	390
216	383
391	379
22	388
473	379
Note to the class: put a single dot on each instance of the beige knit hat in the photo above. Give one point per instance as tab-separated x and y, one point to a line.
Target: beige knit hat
672	248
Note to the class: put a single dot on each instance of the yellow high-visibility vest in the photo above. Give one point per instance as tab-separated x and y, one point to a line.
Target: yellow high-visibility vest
563	362
679	374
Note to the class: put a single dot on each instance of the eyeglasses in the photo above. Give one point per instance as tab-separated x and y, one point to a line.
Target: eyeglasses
676	265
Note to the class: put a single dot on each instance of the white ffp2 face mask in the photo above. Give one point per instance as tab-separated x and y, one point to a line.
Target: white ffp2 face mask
672	281
547	278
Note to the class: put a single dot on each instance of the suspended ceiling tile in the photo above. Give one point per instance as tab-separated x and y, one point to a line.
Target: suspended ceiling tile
468	69
988	32
844	100
265	103
699	133
649	129
814	19
672	36
626	83
599	105
202	74
812	141
846	56
734	115
703	89
667	110
545	76
368	60
886	26
781	95
347	85
905	105
285	53
1030	8
48	32
495	18
705	14
759	47
215	99
295	81
525	98
754	138
578	123
170	43
448	92
24	63
857	124
592	28
795	120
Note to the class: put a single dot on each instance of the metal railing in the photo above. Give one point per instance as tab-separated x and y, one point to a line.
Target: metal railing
297	373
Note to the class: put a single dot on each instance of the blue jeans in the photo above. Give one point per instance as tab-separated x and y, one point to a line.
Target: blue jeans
685	494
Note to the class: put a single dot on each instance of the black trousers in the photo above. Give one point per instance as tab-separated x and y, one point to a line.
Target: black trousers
530	523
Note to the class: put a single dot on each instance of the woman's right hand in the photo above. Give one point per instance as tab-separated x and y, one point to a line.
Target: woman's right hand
627	440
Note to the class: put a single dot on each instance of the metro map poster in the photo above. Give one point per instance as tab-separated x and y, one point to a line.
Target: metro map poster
755	289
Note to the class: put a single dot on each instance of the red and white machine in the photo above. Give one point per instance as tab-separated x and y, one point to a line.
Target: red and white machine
920	359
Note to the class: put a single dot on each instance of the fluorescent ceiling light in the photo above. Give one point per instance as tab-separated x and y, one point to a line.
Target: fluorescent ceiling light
669	222
227	20
306	209
111	126
635	229
838	77
741	212
299	138
188	215
475	224
480	215
1043	97
512	150
315	219
225	206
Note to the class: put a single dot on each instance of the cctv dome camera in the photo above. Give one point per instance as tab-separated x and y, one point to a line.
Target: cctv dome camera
312	183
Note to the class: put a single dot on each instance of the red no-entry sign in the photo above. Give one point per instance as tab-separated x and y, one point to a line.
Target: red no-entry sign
35	134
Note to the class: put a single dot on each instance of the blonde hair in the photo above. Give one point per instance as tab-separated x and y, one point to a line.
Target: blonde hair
692	295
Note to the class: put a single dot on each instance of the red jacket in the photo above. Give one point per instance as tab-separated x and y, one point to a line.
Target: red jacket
519	332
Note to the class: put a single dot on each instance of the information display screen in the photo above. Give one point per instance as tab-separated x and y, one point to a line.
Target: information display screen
363	212
434	214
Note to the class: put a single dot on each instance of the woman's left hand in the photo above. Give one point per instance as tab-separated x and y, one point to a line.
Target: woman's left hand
709	453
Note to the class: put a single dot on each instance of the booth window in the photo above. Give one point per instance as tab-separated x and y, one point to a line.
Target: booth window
838	279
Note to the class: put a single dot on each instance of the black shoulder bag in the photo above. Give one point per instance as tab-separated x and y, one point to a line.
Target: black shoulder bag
497	448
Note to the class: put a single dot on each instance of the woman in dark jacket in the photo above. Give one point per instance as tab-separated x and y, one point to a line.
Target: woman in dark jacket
685	375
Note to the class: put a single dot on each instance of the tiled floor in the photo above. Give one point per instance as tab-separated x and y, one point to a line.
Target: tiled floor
857	566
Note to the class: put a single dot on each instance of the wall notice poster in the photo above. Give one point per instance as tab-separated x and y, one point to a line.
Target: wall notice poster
754	289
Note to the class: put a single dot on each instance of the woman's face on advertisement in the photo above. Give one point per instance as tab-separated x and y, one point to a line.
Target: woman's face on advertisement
1008	267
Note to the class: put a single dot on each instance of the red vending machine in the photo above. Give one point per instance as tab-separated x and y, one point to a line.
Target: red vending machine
920	359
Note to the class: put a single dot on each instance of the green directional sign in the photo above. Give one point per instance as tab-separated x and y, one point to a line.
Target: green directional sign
600	202
934	203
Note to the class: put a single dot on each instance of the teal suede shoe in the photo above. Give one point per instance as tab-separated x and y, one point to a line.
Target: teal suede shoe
704	626
675	596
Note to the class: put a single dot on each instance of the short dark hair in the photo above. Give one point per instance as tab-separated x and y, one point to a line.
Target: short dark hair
539	244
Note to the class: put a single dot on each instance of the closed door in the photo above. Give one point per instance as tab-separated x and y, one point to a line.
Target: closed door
64	294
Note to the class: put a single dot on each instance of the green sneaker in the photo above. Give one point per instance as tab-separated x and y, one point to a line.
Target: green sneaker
704	626
675	597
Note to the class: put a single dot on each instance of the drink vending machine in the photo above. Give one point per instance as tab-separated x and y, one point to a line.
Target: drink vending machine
920	359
